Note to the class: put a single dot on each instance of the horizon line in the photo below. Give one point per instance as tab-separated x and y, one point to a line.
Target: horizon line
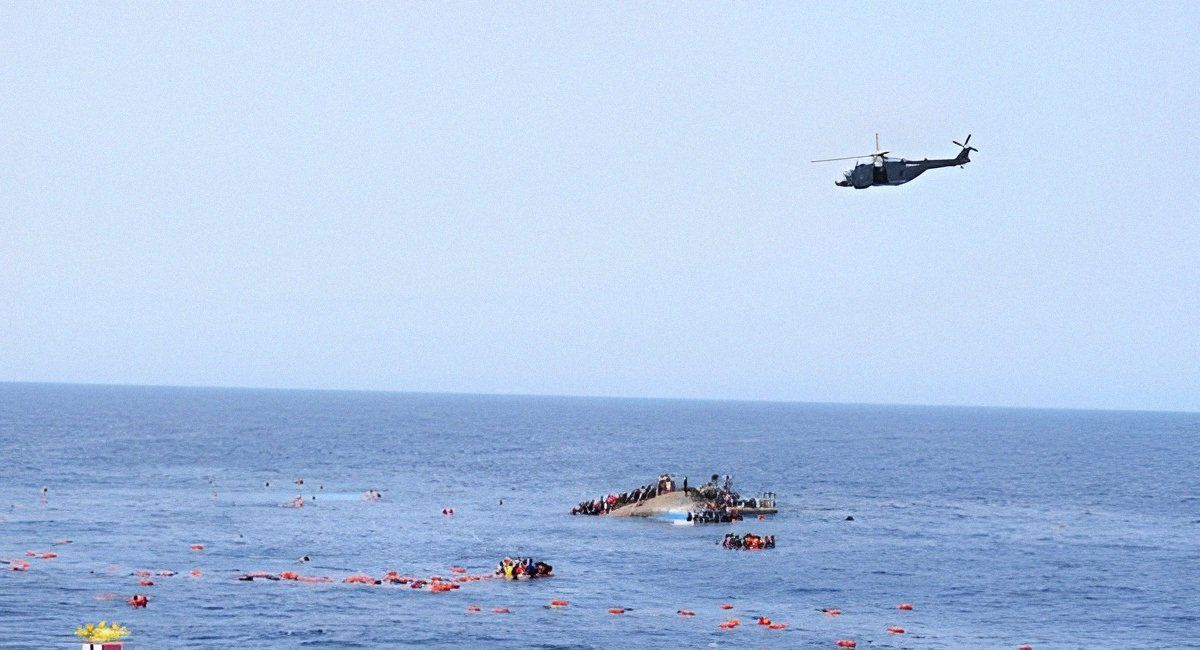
746	400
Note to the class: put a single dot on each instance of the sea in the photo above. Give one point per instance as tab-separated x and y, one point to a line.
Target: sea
1001	527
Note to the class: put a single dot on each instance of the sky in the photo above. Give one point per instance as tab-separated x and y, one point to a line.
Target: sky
604	199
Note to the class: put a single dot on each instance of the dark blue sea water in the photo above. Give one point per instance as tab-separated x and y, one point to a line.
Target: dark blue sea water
1056	528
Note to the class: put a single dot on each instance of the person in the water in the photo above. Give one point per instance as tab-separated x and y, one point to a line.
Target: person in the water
506	568
749	542
523	568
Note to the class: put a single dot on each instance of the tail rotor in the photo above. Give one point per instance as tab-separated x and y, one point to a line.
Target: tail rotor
965	154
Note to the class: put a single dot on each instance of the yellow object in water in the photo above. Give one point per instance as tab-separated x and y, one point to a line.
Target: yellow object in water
102	631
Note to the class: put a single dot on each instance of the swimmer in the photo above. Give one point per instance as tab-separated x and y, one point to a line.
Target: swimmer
44	492
507	568
299	481
298	502
268	484
302	559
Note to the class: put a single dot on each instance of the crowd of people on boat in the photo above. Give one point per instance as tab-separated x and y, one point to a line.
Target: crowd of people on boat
721	502
748	542
721	515
607	504
523	568
748	503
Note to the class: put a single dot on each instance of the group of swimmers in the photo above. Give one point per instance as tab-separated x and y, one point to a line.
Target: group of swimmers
605	505
523	568
298	502
748	542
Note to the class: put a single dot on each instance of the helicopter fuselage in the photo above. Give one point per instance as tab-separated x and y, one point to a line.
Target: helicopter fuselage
887	171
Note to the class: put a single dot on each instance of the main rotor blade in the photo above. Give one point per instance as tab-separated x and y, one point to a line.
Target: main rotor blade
866	155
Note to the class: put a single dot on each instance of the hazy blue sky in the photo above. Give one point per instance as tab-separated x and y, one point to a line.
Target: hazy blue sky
606	199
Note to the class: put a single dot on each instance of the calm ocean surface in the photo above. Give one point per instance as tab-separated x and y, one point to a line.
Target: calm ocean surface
1055	528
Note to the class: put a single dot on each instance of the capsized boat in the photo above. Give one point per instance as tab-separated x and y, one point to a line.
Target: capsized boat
709	503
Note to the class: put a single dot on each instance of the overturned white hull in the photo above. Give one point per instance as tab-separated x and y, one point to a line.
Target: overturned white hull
670	507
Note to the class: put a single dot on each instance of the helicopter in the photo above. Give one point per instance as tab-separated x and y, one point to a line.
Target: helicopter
895	171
